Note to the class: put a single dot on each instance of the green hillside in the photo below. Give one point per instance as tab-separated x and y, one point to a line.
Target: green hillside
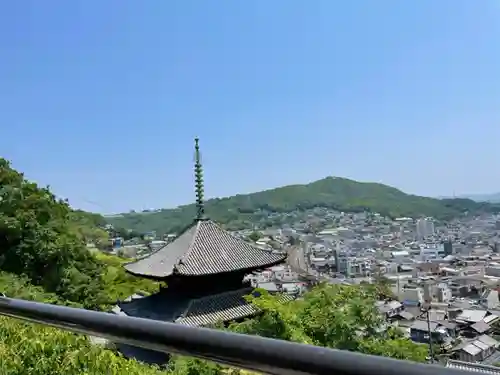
240	211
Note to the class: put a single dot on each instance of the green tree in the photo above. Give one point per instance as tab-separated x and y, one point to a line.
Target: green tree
254	236
381	285
335	316
29	348
180	365
40	238
26	348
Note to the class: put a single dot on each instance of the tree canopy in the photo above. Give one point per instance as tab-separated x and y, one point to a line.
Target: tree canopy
336	316
27	348
90	227
40	238
43	239
245	210
254	236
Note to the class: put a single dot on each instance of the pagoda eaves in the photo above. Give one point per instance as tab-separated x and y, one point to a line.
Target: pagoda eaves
203	249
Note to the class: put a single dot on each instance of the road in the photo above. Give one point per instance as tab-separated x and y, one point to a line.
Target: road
297	260
298	263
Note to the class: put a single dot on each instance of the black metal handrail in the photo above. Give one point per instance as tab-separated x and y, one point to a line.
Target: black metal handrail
244	351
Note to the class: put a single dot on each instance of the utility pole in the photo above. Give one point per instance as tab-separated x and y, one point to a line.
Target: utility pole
429	331
399	289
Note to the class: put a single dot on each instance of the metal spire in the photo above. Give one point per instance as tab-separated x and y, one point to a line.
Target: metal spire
198	174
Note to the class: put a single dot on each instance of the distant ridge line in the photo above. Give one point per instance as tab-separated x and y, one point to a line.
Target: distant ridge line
241	211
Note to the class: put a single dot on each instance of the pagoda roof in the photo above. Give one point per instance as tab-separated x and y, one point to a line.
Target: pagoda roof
223	307
203	249
204	311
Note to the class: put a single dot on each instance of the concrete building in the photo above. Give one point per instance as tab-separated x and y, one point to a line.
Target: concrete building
448	247
425	228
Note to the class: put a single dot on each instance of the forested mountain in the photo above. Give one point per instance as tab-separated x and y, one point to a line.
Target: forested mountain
342	194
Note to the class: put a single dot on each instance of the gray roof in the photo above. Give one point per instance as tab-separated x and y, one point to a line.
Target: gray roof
220	308
406	315
207	310
488	340
471	315
204	248
386	306
480	327
268	285
169	306
472	349
422	325
448	324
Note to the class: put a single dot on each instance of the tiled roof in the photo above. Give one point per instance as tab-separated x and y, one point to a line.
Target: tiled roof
203	311
218	308
205	248
222	307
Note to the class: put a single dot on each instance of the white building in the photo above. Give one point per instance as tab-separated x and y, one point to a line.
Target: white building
429	252
443	293
425	227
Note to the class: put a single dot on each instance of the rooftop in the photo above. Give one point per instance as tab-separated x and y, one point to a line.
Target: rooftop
194	312
203	311
204	248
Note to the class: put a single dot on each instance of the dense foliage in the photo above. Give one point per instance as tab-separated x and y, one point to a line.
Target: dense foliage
119	284
27	348
89	227
243	211
40	238
43	239
36	350
334	316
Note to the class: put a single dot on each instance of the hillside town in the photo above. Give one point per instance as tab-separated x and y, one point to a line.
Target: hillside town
444	276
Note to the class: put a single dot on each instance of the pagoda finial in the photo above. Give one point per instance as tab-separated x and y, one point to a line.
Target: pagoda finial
198	174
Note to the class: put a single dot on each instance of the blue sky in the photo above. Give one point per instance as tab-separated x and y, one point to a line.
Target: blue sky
101	99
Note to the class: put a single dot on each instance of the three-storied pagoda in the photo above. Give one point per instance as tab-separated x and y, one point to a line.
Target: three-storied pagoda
204	269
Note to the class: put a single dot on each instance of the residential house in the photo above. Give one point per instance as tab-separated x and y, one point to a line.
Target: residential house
390	309
419	332
489	299
477	350
477	329
426	269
